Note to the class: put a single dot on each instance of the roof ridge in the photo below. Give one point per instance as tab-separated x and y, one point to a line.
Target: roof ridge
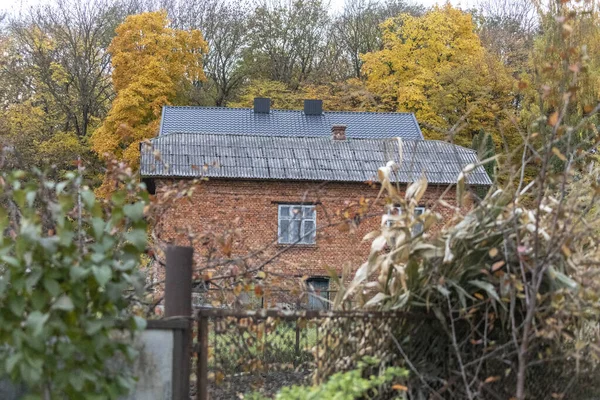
294	110
320	137
451	144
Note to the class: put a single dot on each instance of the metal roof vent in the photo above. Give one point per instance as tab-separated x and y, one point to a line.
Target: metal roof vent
313	107
262	105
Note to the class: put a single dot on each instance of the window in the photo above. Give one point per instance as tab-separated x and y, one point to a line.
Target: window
297	224
318	296
250	300
418	228
200	294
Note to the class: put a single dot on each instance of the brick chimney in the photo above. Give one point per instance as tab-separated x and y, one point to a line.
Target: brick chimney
338	132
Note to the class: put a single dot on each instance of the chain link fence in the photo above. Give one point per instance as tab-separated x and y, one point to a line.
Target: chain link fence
240	351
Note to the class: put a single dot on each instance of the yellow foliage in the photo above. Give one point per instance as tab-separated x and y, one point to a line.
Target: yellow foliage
30	130
153	64
436	67
350	95
281	96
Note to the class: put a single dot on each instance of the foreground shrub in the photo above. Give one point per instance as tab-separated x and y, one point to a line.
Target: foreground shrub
66	260
354	384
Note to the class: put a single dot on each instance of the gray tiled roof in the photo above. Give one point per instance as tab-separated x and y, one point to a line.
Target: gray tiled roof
243	121
303	158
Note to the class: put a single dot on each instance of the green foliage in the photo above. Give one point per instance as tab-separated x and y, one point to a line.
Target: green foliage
346	385
66	260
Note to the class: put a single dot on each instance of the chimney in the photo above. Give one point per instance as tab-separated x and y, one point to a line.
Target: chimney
262	105
338	132
313	107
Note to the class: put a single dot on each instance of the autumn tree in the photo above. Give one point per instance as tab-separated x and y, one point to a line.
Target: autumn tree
508	29
579	67
281	96
357	29
436	67
225	28
153	65
348	95
286	38
61	50
55	75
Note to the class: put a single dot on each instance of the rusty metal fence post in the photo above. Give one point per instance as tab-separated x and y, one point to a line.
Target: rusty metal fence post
297	345
202	352
178	303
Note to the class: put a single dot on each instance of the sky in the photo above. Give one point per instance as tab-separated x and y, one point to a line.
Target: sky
339	4
14	6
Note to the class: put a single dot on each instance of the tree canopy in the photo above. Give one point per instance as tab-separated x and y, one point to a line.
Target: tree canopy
153	65
436	67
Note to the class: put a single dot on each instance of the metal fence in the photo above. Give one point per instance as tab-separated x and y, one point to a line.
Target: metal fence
241	351
284	299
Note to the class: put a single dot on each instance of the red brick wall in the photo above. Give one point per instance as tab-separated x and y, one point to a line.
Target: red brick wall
249	209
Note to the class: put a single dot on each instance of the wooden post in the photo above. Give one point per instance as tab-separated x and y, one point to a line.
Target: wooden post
297	348
202	364
178	303
178	282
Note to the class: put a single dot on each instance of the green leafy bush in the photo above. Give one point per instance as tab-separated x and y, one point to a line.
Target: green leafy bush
347	385
66	259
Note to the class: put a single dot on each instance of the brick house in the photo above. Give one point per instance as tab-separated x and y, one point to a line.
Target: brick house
293	182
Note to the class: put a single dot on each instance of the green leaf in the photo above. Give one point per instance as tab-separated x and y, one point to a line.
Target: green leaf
33	279
118	198
137	237
76	381
3	284
19	196
66	236
30	375
52	287
12	361
36	321
64	303
93	326
102	274
12	261
76	273
134	212
17	306
38	299
60	186
98	226
89	198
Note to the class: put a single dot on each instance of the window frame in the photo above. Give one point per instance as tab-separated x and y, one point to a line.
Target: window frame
317	296
417	228
307	238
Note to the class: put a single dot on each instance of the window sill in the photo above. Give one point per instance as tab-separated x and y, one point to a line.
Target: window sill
297	245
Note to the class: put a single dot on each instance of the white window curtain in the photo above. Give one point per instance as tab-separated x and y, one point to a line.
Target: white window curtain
297	224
